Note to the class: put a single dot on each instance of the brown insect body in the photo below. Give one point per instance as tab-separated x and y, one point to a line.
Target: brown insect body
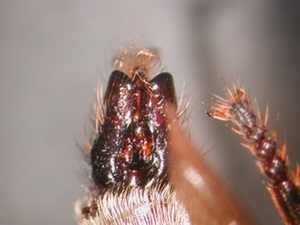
144	169
129	157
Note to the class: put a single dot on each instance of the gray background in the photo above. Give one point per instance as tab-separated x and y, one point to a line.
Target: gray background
52	54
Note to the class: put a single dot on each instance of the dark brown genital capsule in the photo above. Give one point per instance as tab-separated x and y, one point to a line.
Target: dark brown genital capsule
130	148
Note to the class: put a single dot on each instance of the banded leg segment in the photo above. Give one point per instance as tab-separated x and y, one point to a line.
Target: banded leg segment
272	158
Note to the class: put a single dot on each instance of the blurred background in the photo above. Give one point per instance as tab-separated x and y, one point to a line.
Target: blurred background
52	54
